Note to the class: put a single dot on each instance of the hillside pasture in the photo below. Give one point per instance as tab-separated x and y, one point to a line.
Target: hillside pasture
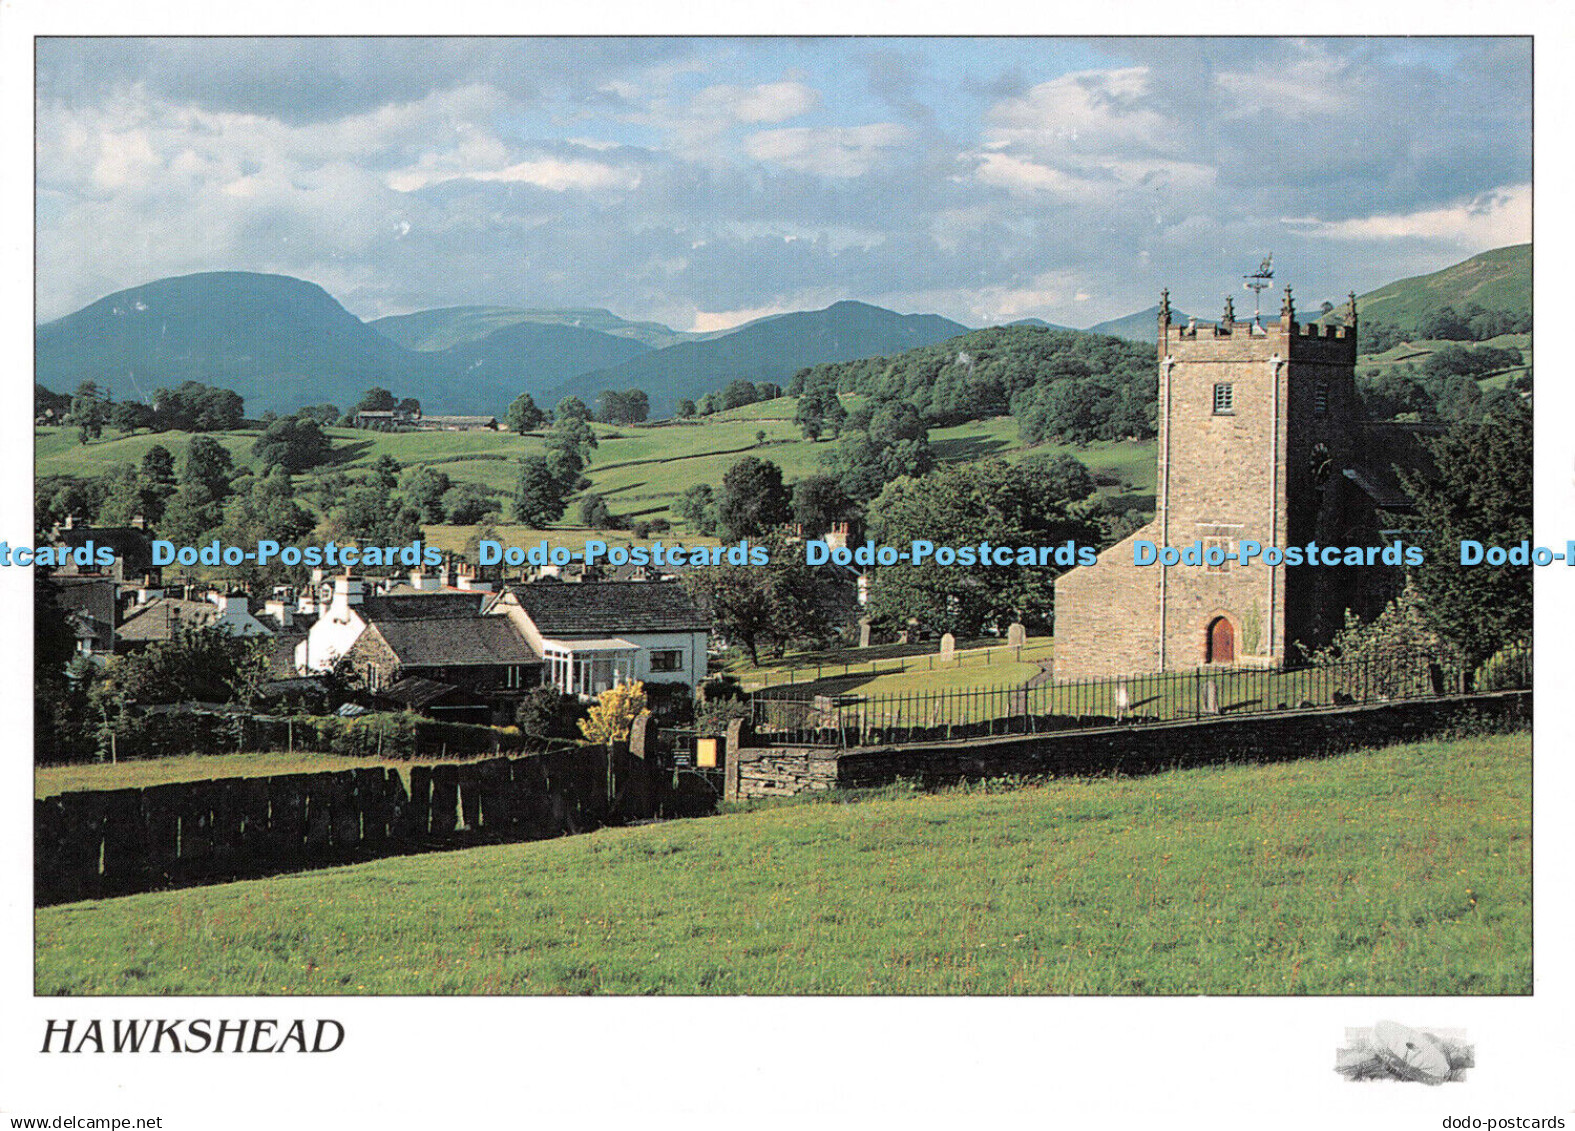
642	469
1399	871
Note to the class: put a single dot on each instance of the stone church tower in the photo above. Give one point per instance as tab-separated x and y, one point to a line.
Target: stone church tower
1260	438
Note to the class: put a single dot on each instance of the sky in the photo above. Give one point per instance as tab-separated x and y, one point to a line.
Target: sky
702	182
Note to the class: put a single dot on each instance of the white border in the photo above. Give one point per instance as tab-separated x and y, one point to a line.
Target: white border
1119	1062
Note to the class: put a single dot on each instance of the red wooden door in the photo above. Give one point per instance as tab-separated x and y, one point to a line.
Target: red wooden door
1222	642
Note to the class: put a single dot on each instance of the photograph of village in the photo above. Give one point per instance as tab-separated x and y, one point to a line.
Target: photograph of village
689	515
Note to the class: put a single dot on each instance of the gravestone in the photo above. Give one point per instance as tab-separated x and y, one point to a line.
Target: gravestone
948	646
1211	697
864	632
1016	635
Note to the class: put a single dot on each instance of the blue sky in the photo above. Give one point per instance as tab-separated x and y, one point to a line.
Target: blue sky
701	182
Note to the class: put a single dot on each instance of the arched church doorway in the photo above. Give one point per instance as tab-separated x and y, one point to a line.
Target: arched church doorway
1220	645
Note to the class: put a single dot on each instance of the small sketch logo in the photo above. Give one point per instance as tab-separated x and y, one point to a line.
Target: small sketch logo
1391	1051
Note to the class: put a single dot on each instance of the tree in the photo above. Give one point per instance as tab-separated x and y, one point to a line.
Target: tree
385	472
324	414
964	505
195	407
1062	477
158	468
1480	490
128	416
208	465
739	393
764	606
524	416
89	411
570	407
424	490
375	399
294	443
627	407
371	515
819	503
696	508
753	499
468	504
612	715
539	495
268	510
684	410
594	513
130	496
190	513
820	412
547	715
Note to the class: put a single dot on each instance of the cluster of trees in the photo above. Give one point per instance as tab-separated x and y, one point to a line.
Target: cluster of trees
736	394
295	443
193	407
1472	323
1029	504
1444	386
1009	369
545	482
1480	488
631	406
754	502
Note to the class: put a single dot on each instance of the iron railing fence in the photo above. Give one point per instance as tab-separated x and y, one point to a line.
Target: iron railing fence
976	711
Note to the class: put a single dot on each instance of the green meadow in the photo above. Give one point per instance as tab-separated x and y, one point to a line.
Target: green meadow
641	469
1405	870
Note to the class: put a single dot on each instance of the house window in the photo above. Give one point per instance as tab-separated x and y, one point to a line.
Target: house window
512	677
1224	399
1221	548
669	660
1321	399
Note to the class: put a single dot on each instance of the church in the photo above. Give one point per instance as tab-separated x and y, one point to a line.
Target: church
1262	439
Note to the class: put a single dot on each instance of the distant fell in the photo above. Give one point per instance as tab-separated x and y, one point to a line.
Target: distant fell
772	349
1140	327
435	330
278	341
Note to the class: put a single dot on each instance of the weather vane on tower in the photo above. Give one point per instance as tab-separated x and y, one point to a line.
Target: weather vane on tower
1258	282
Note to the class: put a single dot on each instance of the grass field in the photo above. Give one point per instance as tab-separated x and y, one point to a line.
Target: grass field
1401	871
1417	352
642	469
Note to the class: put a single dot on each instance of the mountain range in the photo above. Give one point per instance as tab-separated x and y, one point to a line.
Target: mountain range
283	342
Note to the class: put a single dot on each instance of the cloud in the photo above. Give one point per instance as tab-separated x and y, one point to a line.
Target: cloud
756	105
837	151
555	174
704	180
1487	220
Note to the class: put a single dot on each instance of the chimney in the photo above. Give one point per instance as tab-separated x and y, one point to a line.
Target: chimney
347	595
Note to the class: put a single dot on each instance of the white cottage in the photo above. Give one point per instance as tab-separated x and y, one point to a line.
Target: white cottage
595	634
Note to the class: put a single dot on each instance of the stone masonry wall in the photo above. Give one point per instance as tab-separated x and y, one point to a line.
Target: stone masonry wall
1125	749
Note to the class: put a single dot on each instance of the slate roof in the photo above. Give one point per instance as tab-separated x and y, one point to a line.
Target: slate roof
453	642
417	692
421	605
1393	446
605	608
157	619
